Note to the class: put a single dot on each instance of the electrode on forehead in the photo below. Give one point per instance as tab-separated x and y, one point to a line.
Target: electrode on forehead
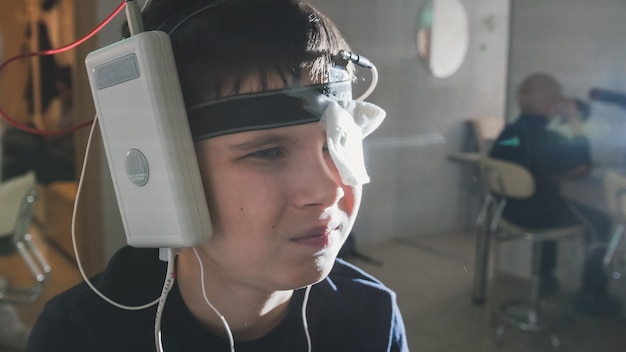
347	123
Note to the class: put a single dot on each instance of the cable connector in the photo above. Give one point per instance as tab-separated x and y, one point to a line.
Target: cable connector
342	59
133	17
344	56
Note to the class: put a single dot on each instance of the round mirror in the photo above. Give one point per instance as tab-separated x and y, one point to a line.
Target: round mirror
442	36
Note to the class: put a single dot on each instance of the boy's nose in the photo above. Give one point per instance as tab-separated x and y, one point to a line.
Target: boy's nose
320	183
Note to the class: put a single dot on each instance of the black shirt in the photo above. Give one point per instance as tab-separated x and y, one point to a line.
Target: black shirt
348	311
548	156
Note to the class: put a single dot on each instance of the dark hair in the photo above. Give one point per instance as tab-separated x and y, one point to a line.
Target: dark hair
234	39
537	93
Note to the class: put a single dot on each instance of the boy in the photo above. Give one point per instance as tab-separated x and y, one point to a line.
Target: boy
283	193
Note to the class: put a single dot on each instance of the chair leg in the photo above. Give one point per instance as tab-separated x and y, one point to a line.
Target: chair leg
38	268
532	314
37	264
613	261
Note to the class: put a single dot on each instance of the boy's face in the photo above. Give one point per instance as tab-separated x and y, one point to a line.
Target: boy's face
280	211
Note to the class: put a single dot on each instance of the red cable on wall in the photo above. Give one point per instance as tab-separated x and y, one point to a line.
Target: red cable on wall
26	128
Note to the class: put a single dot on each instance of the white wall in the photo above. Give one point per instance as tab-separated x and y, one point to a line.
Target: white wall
415	190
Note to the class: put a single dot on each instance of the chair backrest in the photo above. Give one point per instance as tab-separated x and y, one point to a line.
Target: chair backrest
12	196
486	131
506	178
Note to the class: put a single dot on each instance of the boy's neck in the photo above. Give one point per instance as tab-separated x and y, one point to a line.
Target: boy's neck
250	313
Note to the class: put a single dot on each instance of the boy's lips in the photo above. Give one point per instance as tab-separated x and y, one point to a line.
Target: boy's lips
318	236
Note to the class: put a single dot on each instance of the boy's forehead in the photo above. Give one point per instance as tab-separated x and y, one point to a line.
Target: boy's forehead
254	84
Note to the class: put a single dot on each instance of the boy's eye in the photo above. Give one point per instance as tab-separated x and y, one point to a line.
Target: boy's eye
270	153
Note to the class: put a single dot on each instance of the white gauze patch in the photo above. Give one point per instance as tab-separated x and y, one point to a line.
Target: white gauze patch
347	123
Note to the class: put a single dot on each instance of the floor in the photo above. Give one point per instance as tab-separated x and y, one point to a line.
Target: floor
432	276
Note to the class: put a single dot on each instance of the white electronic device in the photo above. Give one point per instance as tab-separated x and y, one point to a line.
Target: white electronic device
148	143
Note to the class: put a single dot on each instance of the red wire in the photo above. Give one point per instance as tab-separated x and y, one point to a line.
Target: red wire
26	128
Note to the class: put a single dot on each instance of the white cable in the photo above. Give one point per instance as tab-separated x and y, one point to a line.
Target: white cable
133	17
372	86
206	299
74	211
225	323
305	323
167	286
192	14
145	4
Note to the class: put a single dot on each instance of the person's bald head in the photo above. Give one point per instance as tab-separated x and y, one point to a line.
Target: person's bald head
539	94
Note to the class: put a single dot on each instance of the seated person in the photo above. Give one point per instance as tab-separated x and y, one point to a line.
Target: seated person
551	157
